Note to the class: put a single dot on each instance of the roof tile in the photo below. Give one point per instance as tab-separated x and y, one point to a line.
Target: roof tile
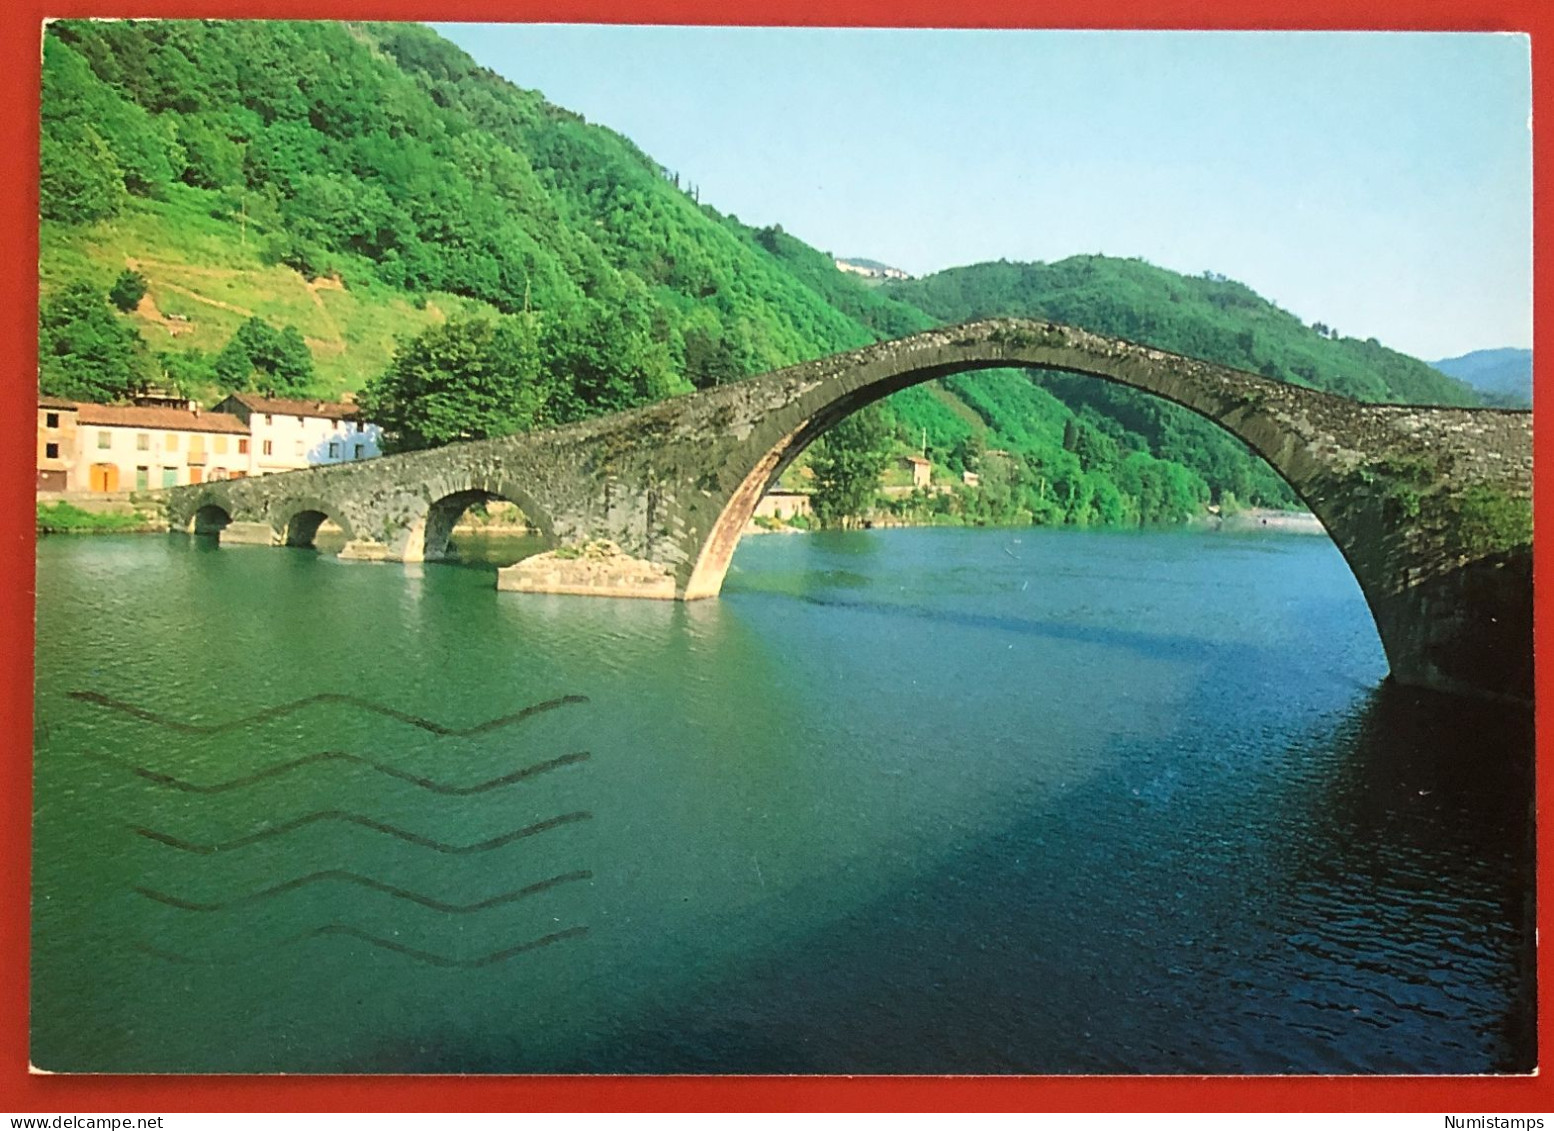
167	419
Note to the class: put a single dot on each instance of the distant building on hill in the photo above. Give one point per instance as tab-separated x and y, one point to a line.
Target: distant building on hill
870	269
783	505
290	433
921	471
162	398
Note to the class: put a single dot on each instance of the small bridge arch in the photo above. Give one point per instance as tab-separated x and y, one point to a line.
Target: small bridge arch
296	519
427	533
209	519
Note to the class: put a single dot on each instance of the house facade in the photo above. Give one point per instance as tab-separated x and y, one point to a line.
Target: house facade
287	433
56	443
167	442
783	505
105	448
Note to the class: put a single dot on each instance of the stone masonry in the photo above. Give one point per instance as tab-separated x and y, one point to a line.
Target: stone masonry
1431	507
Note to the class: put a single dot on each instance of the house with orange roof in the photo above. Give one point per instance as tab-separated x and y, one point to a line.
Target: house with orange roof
106	448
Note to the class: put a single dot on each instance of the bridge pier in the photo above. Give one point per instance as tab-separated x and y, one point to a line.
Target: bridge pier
1465	632
250	534
366	550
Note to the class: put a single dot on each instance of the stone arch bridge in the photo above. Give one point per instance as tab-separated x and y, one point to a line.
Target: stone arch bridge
1431	507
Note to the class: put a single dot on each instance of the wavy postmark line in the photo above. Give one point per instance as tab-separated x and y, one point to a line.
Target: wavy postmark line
341	756
375	885
386	944
101	700
369	823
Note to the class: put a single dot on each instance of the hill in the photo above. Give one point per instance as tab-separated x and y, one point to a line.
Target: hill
1504	376
1209	316
299	200
382	155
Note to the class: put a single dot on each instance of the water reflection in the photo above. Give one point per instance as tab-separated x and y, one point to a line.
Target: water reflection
1430	819
487	550
1327	935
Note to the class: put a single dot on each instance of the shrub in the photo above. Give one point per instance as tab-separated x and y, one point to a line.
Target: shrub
127	290
1490	521
63	518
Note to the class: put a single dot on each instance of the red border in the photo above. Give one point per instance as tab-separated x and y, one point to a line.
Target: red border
20	1092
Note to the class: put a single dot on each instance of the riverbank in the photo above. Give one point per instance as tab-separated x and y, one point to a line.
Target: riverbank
105	517
1250	519
1261	518
132	513
774	526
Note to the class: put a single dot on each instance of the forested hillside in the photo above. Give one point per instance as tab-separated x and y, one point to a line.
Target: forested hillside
1209	317
385	156
322	207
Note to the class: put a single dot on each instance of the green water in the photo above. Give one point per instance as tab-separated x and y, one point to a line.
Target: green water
916	800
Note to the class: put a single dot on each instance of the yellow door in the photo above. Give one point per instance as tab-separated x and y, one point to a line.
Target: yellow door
105	477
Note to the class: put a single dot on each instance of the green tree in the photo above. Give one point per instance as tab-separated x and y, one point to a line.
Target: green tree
78	178
605	358
85	352
463	380
188	371
710	358
847	462
127	290
260	356
967	451
210	158
76	107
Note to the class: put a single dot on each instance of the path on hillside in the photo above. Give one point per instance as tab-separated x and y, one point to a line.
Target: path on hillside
335	344
329	283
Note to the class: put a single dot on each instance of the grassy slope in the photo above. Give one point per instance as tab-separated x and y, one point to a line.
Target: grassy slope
205	268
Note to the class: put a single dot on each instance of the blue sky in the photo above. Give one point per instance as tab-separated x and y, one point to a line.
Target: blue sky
1381	183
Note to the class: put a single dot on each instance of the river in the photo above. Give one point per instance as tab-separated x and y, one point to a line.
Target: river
922	800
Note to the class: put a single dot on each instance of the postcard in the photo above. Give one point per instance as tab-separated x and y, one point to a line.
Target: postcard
573	549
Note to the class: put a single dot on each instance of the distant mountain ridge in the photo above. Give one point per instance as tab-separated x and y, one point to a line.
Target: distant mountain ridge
1504	375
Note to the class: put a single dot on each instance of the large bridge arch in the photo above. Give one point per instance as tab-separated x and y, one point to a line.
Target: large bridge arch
822	409
1404	491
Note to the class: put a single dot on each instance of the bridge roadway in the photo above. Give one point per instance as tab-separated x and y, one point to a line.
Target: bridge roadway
1431	507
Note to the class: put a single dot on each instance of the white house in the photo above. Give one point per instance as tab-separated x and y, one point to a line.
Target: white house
287	434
